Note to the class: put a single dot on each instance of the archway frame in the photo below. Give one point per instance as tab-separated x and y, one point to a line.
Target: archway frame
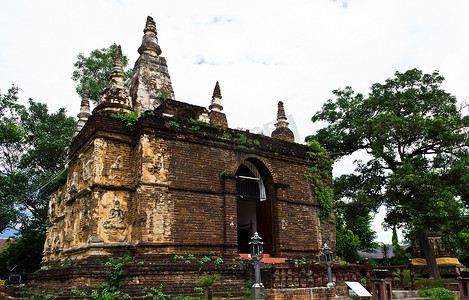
266	209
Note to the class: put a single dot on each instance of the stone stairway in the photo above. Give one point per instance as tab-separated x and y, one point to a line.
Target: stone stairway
408	295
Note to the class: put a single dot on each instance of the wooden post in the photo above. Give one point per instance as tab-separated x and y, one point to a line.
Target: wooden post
412	281
368	280
357	272
315	278
299	277
274	276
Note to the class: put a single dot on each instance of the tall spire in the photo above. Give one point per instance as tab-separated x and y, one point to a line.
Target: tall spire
150	83
83	115
281	127
115	97
216	99
149	40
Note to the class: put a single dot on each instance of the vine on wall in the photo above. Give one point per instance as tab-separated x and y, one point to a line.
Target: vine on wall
320	175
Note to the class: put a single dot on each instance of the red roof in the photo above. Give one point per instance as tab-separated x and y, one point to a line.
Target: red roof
3	240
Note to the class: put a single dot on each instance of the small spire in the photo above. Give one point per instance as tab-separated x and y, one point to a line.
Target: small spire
115	96
216	99
281	127
281	117
150	25
216	91
150	41
117	75
83	115
85	105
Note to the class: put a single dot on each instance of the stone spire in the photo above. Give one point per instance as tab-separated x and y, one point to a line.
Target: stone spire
149	40
115	97
117	74
216	99
83	115
150	84
216	116
281	127
281	117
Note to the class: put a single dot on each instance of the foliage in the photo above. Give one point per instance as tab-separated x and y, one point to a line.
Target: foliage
174	123
355	218
156	294
110	289
401	257
129	119
225	172
207	281
437	293
247	291
425	283
407	279
347	243
164	95
114	279
38	295
320	175
417	144
33	150
25	252
92	73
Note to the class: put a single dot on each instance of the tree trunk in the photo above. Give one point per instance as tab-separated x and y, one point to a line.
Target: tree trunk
432	266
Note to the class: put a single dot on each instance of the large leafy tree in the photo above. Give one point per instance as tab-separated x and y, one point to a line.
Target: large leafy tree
417	142
24	252
93	72
33	150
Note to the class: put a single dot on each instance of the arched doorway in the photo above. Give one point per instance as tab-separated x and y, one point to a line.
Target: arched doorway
254	207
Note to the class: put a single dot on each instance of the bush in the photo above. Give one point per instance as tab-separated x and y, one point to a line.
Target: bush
438	294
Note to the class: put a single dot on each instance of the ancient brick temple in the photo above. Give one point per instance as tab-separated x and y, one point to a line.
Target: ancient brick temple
177	179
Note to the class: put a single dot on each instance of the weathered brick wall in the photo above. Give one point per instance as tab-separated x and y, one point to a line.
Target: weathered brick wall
168	187
174	275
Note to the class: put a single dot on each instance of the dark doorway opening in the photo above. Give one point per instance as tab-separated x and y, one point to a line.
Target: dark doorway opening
254	208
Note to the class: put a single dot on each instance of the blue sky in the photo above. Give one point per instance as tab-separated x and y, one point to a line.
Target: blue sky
261	52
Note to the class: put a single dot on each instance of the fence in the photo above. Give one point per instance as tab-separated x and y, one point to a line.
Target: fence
316	275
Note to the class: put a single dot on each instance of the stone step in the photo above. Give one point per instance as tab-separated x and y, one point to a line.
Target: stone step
399	294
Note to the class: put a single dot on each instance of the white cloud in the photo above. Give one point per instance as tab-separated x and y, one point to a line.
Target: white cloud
260	51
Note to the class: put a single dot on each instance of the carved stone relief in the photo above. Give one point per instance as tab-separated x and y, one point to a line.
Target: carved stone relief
115	225
115	166
73	189
87	169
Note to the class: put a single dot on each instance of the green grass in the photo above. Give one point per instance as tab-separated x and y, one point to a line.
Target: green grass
424	284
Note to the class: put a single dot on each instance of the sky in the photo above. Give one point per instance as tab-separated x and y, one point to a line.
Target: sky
260	51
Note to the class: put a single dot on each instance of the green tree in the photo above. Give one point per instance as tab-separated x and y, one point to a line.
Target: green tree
417	142
25	252
347	243
93	72
357	216
33	150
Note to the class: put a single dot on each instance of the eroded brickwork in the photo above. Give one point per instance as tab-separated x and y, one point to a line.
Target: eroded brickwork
169	186
301	294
